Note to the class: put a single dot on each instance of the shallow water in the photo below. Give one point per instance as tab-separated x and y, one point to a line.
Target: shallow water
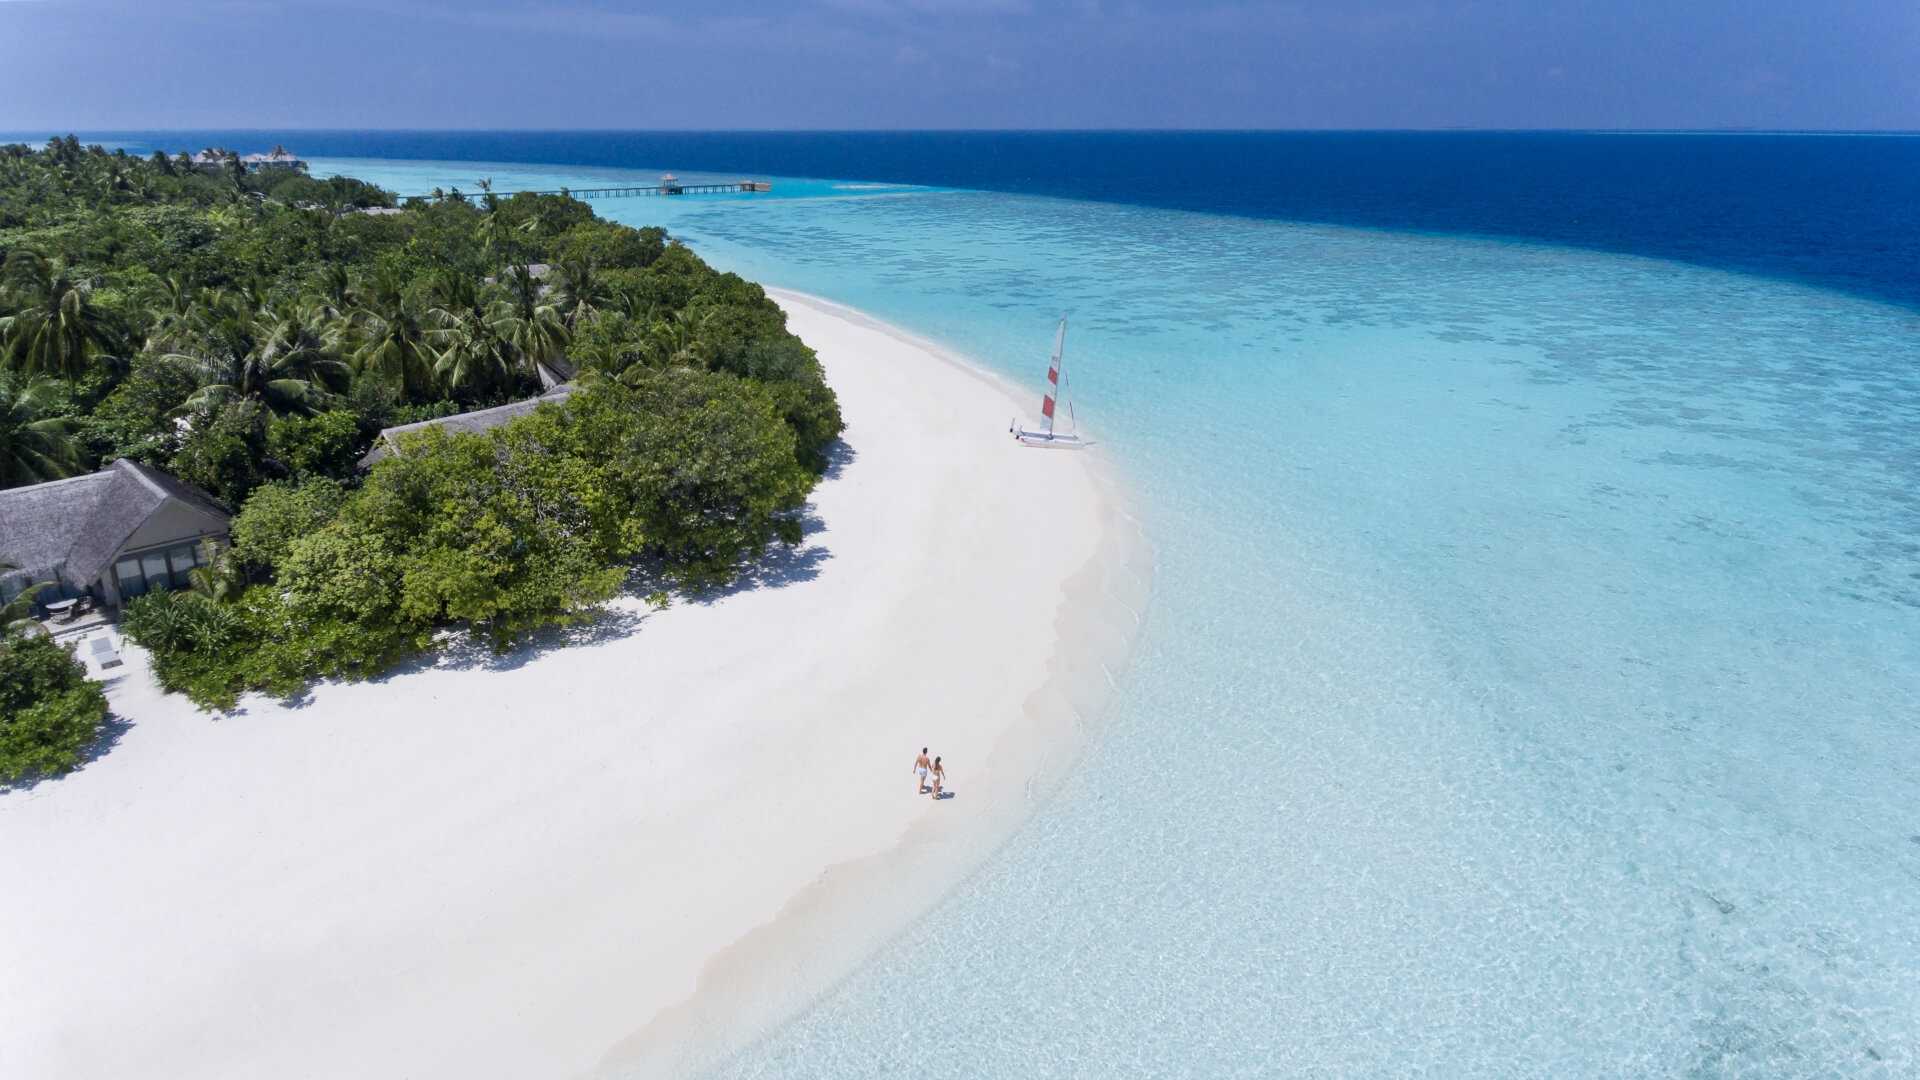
1529	686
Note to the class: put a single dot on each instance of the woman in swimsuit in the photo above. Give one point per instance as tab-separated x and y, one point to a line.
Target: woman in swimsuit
920	767
939	777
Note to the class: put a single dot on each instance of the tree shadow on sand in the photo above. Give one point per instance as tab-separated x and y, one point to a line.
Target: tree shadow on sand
470	651
839	456
111	730
780	565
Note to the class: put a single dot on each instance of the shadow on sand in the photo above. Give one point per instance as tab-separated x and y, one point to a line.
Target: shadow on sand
784	564
781	566
109	737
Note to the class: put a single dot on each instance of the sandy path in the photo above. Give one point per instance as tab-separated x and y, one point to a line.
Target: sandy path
526	867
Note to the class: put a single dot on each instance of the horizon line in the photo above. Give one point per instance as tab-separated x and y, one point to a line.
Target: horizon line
987	131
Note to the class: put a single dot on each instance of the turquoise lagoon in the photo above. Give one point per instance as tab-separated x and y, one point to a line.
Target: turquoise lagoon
1530	682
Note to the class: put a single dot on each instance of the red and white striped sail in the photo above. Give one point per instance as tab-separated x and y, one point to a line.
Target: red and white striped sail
1056	393
1053	374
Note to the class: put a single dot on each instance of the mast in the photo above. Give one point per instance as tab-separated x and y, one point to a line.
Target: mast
1053	374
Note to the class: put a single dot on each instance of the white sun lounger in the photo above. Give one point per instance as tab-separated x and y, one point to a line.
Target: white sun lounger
102	649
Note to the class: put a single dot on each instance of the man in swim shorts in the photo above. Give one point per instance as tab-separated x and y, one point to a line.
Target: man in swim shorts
920	767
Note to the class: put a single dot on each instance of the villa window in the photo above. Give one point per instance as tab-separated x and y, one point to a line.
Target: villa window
126	574
161	568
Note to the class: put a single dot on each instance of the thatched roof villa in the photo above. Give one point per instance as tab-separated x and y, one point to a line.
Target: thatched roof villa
111	535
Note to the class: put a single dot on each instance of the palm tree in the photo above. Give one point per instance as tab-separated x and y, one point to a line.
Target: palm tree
543	219
470	351
471	354
33	445
335	286
579	294
677	341
54	329
534	327
218	577
390	340
176	312
16	615
494	235
250	291
235	175
280	358
671	343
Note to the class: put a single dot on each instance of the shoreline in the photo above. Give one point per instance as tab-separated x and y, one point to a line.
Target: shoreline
640	846
778	970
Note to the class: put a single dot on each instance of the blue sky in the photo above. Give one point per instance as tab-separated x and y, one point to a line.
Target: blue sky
103	64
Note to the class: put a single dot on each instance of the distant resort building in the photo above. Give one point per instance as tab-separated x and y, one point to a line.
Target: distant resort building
278	158
214	159
106	537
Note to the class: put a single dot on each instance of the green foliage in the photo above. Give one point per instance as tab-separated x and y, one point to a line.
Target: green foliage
49	711
671	280
707	470
611	343
208	650
333	193
279	356
278	514
251	332
175	621
531	525
607	246
326	444
52	325
225	451
812	413
159	292
35	444
137	419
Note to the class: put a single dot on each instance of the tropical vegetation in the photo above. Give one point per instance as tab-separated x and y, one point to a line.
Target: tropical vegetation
254	332
50	712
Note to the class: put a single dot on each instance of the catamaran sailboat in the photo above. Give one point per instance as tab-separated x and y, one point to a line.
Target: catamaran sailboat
1056	389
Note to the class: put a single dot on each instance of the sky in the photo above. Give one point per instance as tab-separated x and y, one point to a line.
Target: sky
98	65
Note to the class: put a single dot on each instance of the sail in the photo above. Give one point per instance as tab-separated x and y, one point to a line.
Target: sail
1053	374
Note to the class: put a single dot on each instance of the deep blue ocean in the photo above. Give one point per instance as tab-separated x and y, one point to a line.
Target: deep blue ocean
1842	211
1531	681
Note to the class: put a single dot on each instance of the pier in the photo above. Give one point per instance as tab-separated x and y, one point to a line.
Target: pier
668	185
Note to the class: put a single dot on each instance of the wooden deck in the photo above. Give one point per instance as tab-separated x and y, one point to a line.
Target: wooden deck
67	631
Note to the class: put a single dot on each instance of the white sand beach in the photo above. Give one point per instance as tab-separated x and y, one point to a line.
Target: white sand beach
619	853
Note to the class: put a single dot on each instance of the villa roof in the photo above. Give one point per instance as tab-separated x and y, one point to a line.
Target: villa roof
39	524
467	423
80	523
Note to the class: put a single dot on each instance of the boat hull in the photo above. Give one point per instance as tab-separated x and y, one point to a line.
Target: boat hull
1050	441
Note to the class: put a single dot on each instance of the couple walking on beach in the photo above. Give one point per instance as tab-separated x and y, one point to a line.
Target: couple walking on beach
928	772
